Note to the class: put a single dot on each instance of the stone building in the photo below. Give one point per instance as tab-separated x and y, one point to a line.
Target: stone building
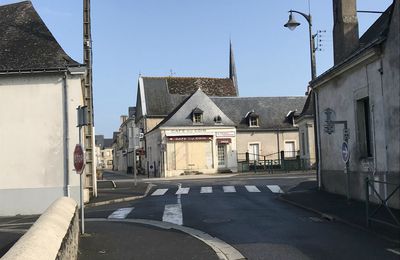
358	103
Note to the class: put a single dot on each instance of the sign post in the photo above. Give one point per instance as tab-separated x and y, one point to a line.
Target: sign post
79	159
345	158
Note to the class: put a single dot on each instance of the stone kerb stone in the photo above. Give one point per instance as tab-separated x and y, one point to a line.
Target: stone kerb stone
54	235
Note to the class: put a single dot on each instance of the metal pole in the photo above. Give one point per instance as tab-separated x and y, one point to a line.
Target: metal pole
81	190
312	49
367	199
134	165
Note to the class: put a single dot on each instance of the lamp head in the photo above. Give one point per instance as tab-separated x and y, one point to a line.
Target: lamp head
292	23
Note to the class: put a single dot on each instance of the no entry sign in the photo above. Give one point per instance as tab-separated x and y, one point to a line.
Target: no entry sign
79	159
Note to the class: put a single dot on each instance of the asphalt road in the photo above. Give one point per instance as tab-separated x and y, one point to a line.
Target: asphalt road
255	222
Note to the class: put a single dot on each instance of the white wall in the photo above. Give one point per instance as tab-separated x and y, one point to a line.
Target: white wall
32	141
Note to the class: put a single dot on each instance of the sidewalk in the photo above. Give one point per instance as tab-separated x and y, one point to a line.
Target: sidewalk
108	193
125	240
337	208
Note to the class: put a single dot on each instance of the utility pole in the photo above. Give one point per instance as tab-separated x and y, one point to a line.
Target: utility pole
90	169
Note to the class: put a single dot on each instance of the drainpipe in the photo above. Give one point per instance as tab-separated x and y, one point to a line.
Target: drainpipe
66	135
277	140
318	138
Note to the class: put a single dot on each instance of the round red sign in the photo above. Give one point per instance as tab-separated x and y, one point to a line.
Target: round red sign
79	159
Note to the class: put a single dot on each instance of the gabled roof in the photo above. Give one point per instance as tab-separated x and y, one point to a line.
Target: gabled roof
26	42
162	94
272	111
182	114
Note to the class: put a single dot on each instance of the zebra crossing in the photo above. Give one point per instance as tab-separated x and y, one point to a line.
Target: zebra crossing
225	189
173	212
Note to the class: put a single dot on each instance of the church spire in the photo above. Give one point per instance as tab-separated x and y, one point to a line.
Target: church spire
232	68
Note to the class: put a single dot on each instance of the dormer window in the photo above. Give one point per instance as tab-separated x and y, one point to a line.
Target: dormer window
253	118
218	119
197	115
253	121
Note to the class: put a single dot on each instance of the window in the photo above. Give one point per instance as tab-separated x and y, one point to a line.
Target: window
253	120
197	118
254	152
290	151
303	143
197	114
364	128
218	120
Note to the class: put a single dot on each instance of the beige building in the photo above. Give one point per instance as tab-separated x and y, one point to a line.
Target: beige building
104	152
197	137
40	89
305	123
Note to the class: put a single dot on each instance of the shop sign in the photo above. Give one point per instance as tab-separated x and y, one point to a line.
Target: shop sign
225	134
224	141
190	138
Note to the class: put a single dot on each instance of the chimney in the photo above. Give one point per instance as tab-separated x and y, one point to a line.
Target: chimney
123	118
345	29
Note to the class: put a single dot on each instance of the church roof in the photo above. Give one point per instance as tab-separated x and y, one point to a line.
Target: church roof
26	42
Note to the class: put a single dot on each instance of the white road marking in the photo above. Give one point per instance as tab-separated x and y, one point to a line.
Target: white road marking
275	188
206	190
159	192
173	214
182	191
252	188
120	213
393	251
229	188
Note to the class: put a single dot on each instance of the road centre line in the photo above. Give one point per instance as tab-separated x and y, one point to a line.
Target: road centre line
229	189
159	192
251	188
120	213
206	190
173	214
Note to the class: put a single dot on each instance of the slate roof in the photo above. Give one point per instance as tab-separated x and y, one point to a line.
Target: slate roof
272	111
182	114
375	35
378	29
99	140
108	142
163	94
308	109
26	42
131	112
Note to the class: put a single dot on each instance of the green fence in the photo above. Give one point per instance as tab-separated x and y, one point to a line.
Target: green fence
260	163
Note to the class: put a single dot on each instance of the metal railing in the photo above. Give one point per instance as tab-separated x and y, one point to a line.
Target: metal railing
248	162
389	218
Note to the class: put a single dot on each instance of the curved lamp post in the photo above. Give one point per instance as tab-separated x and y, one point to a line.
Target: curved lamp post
292	24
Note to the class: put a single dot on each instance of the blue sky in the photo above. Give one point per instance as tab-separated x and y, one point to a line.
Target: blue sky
191	38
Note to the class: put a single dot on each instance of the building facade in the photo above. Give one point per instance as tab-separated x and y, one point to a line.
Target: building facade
358	103
40	89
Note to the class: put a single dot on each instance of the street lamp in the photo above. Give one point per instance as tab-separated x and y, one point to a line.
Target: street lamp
292	24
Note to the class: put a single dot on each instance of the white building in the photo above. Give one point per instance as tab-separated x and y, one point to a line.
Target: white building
40	89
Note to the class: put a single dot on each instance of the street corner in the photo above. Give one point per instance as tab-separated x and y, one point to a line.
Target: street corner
115	240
